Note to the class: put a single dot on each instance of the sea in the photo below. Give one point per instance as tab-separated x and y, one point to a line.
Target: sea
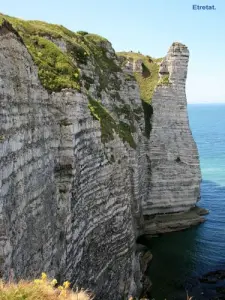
181	258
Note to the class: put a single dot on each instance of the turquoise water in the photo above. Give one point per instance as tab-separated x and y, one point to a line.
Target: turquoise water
180	258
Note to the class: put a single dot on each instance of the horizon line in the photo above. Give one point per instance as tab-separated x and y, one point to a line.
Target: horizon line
205	102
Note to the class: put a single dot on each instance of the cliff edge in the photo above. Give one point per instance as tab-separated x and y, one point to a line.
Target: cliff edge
87	164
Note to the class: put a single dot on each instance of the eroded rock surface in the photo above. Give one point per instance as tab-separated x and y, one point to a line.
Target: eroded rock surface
70	206
175	170
77	175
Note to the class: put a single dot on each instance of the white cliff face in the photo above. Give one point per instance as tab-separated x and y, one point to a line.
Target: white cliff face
72	204
175	170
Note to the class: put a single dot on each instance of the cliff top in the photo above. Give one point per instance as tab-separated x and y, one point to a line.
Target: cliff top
58	52
146	72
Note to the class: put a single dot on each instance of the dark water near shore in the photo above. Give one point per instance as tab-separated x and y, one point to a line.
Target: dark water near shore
180	258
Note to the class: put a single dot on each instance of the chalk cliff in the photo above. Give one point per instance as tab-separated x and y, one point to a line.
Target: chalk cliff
175	171
85	167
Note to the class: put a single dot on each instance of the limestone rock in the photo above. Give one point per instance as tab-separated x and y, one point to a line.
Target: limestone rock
77	171
69	205
132	65
174	160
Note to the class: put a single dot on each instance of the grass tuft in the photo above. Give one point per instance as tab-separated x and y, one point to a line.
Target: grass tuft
148	79
40	289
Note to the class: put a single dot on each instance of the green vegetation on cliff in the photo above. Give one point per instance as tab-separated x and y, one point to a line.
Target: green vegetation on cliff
164	80
57	52
56	69
109	125
148	78
60	53
104	66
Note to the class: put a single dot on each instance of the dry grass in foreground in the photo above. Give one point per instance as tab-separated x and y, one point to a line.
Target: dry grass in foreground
40	289
44	289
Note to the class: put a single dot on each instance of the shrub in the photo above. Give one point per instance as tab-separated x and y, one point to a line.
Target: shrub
40	289
82	32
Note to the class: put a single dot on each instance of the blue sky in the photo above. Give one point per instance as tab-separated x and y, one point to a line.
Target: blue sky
148	26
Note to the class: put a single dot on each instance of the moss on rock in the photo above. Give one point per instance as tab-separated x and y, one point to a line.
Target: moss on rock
150	65
125	133
100	113
124	110
164	80
105	66
79	53
55	68
109	125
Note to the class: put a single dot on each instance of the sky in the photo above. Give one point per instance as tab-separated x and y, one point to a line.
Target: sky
148	26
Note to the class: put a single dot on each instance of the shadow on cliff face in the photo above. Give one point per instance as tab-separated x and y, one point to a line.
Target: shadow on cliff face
148	112
181	259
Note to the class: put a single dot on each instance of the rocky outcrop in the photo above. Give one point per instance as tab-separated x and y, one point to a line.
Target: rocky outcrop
132	65
70	206
78	170
175	170
164	223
